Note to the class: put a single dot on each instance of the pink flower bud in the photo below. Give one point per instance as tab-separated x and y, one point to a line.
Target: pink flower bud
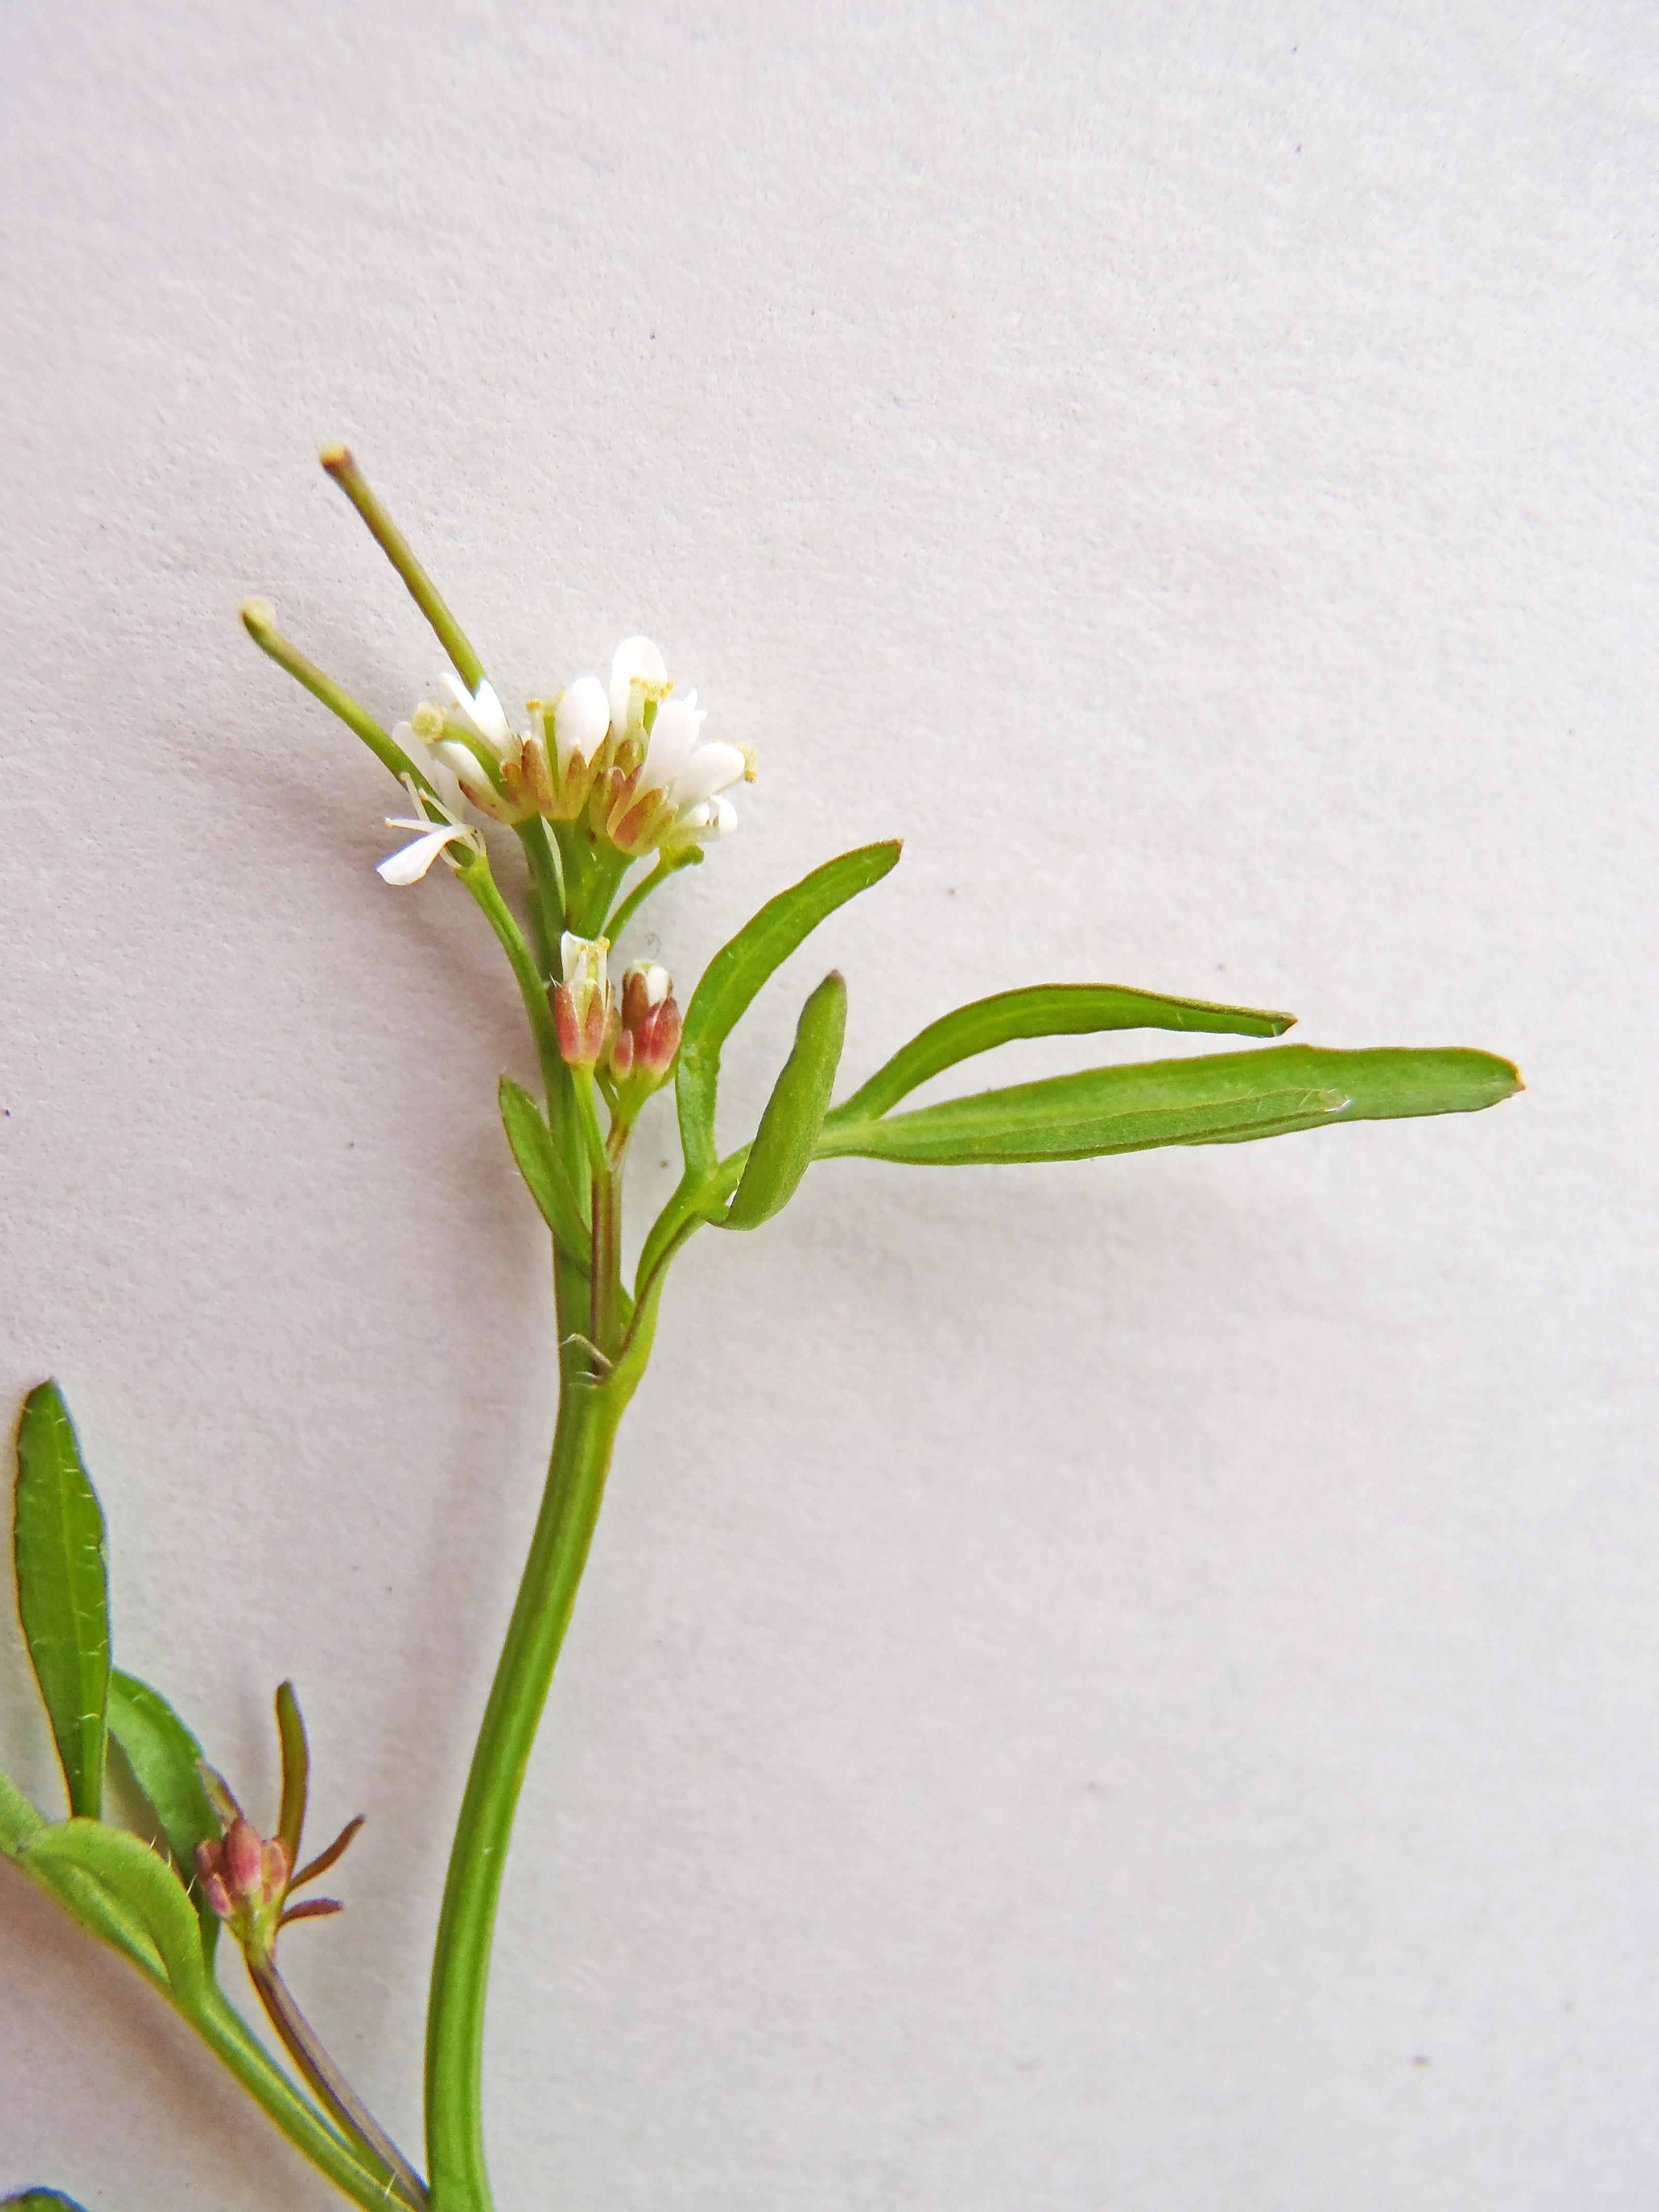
274	1867
658	1039
652	1020
242	1858
218	1897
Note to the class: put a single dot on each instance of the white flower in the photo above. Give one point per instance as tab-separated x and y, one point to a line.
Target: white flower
471	748
440	768
630	756
581	721
671	796
411	863
481	711
636	661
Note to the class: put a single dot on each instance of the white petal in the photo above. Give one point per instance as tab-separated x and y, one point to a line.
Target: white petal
711	768
487	713
412	863
724	819
673	736
481	713
458	760
581	721
657	985
571	949
634	656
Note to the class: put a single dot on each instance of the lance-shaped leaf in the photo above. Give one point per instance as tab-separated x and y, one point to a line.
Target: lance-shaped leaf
115	1886
540	1164
737	972
296	1771
62	1590
1223	1098
1043	1010
783	1146
166	1762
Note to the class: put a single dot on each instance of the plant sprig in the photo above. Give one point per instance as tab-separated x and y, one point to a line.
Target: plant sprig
607	780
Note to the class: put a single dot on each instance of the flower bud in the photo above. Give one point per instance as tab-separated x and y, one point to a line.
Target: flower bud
242	1858
582	1003
649	1035
245	1879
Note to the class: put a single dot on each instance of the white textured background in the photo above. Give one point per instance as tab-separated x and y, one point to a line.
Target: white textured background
1130	1685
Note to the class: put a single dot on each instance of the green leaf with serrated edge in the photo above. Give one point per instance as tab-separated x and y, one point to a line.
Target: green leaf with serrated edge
1225	1097
542	1170
165	1759
19	1822
737	972
1043	1010
782	1149
62	1590
128	1876
40	2200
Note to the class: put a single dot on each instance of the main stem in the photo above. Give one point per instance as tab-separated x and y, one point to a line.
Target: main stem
582	1442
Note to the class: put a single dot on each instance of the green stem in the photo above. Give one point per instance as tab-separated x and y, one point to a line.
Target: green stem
587	1121
260	623
582	1444
222	2028
393	543
606	870
688	857
473	870
604	1276
354	2117
546	895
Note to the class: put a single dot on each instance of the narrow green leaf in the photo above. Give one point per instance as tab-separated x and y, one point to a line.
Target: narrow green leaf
62	1590
1222	1098
296	1771
783	1150
39	2200
165	1759
166	1762
1043	1010
737	972
117	1888
19	1822
542	1170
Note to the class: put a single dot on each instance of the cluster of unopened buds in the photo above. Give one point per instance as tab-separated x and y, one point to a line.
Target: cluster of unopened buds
627	760
632	1039
248	1879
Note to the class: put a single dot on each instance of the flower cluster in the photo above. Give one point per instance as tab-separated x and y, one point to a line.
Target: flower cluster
248	1879
245	1878
629	758
632	1041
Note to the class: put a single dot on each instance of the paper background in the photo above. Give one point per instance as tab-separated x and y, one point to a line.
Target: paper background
1130	1683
